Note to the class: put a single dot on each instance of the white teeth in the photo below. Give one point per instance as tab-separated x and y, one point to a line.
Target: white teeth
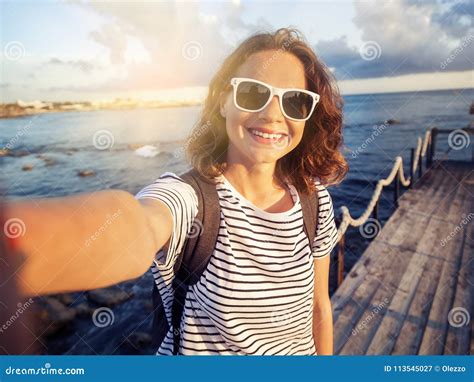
266	135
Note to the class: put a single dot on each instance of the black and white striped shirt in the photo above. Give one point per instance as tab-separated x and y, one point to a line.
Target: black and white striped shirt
256	294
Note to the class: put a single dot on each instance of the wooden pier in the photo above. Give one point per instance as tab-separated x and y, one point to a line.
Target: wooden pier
412	290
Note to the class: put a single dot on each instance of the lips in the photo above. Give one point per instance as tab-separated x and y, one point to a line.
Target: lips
267	136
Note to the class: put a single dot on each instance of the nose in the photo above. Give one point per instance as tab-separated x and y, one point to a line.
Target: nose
272	112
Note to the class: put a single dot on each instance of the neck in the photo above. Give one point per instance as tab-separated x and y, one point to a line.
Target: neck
255	182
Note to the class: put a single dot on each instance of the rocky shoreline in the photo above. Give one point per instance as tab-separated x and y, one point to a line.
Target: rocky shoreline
21	108
113	320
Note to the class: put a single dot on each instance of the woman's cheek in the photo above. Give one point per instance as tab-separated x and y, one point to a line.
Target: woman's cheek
296	137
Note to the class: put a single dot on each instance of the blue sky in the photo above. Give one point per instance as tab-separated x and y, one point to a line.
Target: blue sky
81	50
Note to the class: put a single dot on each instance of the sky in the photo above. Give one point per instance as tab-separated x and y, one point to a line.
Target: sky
86	50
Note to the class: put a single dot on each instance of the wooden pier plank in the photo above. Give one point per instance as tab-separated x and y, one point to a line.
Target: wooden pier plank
427	246
404	214
434	336
391	302
459	331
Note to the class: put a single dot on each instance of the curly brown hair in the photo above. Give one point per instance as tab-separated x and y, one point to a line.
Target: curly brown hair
318	154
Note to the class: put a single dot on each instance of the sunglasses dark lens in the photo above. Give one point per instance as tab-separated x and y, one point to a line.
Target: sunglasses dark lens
252	96
297	104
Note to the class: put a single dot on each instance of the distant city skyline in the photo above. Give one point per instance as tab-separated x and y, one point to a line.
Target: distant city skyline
79	51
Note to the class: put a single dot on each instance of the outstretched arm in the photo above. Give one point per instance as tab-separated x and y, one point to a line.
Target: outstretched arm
85	241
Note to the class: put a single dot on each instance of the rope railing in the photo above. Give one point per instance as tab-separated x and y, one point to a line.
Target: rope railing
426	147
397	174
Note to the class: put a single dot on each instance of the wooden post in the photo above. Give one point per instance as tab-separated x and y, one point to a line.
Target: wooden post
472	148
432	151
428	153
340	260
396	190
420	166
375	212
412	173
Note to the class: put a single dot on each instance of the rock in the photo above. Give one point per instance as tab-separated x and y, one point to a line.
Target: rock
54	315
86	173
57	310
135	146
84	310
65	298
392	122
139	339
471	109
70	152
4	152
109	296
18	153
27	167
49	161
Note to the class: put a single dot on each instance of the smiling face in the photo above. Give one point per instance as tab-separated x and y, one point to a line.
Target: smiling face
264	136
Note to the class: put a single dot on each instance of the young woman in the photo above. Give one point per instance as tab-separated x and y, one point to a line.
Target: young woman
270	130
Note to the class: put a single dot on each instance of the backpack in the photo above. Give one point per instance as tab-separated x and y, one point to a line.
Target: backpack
194	258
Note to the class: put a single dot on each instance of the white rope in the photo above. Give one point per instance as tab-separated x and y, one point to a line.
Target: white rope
397	170
421	148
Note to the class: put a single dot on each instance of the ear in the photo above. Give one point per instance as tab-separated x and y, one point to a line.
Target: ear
222	101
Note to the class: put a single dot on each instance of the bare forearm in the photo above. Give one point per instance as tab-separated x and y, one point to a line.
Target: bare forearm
79	242
323	328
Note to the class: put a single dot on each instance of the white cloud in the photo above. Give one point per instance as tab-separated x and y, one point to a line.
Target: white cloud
111	36
413	37
163	29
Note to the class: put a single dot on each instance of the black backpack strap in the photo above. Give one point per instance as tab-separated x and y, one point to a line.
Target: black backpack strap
310	208
199	246
203	236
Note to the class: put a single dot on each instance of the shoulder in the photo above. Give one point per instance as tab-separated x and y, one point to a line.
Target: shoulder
168	185
324	197
172	179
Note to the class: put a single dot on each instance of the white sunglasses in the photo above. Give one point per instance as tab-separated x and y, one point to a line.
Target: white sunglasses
253	96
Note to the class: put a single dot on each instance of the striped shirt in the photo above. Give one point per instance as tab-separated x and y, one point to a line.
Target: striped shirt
256	294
